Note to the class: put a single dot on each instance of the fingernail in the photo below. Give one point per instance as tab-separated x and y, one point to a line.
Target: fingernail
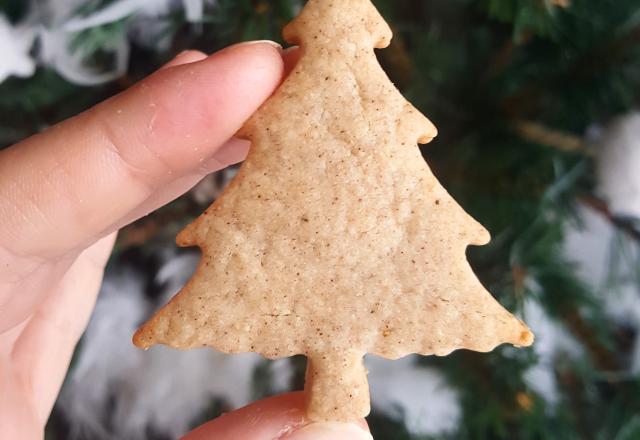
330	431
251	43
190	53
185	57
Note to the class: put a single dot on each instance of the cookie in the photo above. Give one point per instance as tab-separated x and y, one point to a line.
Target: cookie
335	239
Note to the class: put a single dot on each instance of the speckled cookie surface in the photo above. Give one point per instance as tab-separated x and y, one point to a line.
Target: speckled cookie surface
335	239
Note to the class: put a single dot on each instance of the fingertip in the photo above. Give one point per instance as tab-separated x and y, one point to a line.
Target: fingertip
277	417
219	92
261	59
265	419
184	114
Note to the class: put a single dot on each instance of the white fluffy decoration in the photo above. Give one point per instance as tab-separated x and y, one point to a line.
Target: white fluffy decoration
552	340
594	248
54	13
420	396
193	10
619	165
15	44
120	9
281	375
116	11
608	259
55	52
589	246
161	389
54	23
56	41
104	356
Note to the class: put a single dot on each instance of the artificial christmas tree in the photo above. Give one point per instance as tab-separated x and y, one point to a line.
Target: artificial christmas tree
335	239
482	70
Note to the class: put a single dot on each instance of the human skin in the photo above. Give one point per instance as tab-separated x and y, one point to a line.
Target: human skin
64	194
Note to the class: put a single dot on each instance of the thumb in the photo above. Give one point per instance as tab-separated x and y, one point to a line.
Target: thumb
277	418
88	176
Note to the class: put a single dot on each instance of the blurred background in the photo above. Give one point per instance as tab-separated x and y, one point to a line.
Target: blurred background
537	106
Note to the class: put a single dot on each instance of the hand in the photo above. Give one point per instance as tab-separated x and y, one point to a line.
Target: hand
64	194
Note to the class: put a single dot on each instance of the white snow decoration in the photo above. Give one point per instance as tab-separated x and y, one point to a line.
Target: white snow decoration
193	10
552	340
104	356
149	33
15	44
588	247
419	396
55	51
282	374
54	13
593	248
162	389
619	165
116	11
55	41
58	25
121	9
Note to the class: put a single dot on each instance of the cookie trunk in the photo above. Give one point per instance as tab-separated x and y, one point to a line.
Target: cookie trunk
336	387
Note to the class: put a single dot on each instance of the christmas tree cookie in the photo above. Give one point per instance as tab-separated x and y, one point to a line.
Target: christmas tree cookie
335	239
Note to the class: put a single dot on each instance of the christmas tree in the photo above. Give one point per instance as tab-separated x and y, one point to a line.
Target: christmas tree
523	93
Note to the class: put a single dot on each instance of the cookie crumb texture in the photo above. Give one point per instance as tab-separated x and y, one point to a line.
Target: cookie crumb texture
335	239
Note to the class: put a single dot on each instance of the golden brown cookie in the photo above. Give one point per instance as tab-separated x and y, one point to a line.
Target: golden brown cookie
335	239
